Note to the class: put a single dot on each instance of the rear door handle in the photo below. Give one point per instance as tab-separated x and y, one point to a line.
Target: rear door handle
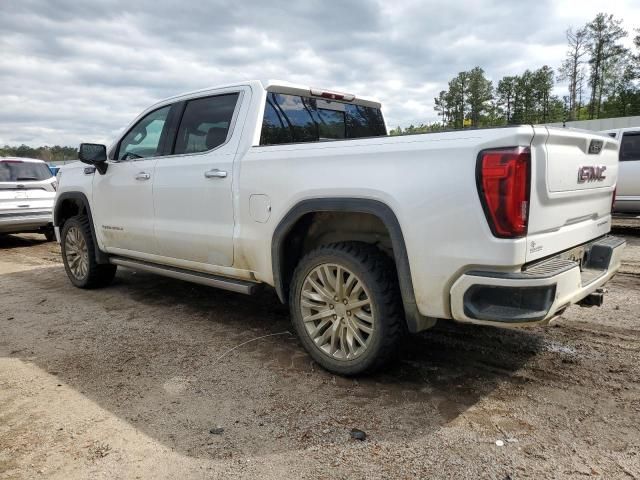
143	176
215	173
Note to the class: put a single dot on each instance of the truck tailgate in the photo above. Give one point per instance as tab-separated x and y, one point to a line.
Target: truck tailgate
573	178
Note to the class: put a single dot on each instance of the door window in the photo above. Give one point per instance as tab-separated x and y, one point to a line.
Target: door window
144	139
205	123
630	147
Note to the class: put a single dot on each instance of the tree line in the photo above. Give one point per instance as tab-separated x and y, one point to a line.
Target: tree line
602	77
46	153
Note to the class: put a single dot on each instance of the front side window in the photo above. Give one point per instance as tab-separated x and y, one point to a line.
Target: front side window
294	118
630	147
205	123
143	140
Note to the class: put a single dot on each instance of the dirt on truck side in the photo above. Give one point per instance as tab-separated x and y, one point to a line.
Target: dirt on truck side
157	378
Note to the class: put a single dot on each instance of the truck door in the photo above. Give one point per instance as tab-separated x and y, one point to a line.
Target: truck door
192	188
123	197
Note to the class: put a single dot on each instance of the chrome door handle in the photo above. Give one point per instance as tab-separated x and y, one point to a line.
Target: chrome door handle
215	173
143	176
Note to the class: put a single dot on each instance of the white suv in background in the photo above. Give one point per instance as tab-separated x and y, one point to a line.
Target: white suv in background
27	190
628	189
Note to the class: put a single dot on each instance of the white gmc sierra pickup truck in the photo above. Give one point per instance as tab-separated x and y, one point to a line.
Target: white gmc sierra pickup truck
365	236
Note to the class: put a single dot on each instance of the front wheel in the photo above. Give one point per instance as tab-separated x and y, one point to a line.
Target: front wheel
346	307
78	255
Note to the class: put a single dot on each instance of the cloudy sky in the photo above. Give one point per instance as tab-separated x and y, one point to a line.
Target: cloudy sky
74	71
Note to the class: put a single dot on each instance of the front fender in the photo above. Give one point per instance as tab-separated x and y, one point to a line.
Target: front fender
81	202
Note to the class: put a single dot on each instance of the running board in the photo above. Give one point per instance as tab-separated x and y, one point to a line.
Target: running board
232	284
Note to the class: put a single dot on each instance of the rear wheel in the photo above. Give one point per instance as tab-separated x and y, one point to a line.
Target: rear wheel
78	255
346	307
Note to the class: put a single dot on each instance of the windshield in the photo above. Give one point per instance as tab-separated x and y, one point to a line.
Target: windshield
19	171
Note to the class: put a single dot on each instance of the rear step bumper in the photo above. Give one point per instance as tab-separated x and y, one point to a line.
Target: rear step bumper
541	291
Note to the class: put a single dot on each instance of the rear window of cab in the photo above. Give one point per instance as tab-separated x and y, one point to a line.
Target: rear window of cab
294	118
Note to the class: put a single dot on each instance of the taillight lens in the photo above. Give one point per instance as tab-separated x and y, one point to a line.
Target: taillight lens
503	177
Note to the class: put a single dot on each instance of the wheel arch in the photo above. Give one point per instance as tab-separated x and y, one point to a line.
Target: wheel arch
298	214
69	204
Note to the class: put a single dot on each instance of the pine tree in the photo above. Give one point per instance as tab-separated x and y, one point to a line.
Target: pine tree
604	33
506	93
571	68
479	94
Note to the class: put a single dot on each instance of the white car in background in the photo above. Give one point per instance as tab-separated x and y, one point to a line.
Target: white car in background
27	191
628	189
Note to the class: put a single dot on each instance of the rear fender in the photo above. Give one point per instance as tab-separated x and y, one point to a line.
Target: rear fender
415	321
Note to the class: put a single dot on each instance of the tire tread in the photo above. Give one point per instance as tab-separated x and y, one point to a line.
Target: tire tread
100	275
385	287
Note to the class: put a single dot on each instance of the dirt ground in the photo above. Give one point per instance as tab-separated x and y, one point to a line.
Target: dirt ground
128	381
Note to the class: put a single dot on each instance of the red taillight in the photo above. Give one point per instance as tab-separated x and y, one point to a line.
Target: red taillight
504	186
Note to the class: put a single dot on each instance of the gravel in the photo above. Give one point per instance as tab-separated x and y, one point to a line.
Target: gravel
129	381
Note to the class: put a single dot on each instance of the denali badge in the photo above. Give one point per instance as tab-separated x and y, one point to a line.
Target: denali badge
535	247
591	173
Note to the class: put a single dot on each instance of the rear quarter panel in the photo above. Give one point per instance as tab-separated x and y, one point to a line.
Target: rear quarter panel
427	180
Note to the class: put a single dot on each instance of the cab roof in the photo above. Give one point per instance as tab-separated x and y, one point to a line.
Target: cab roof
282	86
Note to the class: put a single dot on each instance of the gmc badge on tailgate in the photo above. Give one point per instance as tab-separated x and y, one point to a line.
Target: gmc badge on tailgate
591	173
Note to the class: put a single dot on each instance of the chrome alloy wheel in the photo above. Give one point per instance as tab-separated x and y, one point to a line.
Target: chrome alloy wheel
337	311
76	253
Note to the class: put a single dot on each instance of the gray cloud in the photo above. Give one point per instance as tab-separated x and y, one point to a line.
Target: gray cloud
72	71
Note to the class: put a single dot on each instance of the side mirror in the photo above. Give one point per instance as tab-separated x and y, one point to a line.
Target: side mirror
94	154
